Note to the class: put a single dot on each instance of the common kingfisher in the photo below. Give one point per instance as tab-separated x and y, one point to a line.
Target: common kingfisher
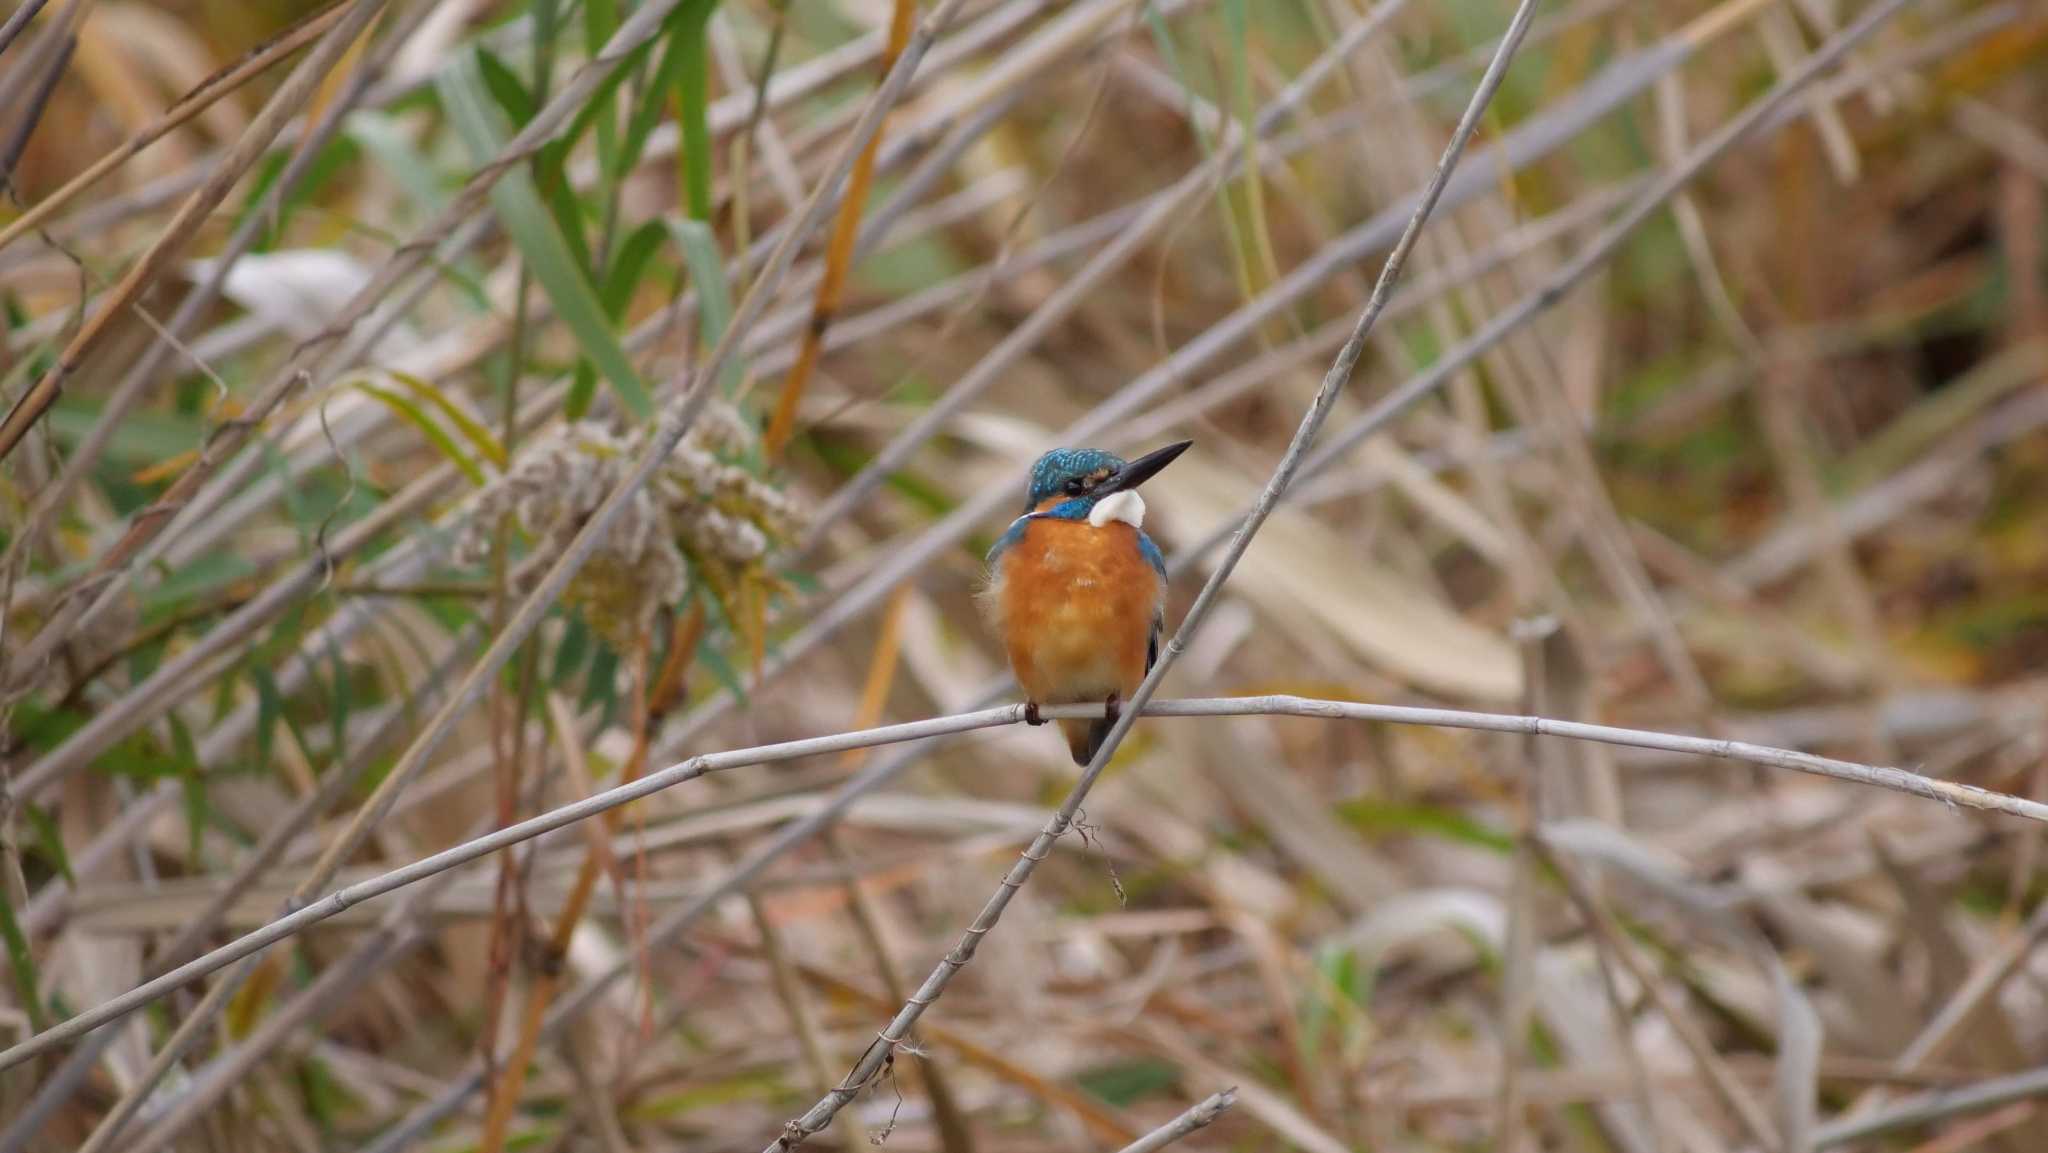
1077	591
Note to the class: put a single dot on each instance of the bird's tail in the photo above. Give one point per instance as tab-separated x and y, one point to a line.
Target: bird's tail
1085	736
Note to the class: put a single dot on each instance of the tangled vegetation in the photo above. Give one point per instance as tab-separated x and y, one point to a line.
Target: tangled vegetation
424	416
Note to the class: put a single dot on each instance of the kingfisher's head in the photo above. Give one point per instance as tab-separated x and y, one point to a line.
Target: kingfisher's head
1083	476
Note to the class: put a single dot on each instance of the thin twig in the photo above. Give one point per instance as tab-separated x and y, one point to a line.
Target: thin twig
57	1088
1897	780
1200	1116
202	96
838	258
194	212
1937	1105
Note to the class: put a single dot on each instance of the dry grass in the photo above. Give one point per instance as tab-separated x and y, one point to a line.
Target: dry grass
1663	429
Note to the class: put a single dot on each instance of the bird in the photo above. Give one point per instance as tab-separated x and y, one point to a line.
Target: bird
1076	591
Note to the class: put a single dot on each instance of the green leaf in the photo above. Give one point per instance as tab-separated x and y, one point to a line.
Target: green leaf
191	783
533	229
712	657
560	197
379	136
629	264
653	103
41	728
511	96
49	841
204	574
269	708
144	436
1381	818
581	390
693	94
23	963
414	415
1127	1082
341	702
600	682
271	699
479	437
599	99
571	652
714	297
600	20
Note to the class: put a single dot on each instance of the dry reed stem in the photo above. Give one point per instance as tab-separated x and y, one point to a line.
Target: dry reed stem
142	372
188	219
1524	145
674	423
231	79
1884	777
48	766
1121	247
1719	1077
447	237
58	1086
18	20
739	878
838	256
670	430
655	694
1200	1115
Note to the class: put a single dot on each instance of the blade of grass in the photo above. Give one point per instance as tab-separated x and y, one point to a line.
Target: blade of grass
410	411
838	257
714	297
693	97
540	242
188	106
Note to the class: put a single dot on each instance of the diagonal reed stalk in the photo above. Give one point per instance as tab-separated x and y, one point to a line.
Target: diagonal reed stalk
838	257
210	91
1199	1116
314	911
255	140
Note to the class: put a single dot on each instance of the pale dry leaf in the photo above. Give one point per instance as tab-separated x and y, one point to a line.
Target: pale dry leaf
1302	569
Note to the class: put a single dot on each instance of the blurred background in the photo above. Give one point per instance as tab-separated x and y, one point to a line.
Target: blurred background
311	377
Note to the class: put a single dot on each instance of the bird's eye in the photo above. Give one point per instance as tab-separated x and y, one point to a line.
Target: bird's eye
1076	486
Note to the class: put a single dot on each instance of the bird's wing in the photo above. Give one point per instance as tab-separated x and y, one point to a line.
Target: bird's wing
1015	534
1158	562
1152	555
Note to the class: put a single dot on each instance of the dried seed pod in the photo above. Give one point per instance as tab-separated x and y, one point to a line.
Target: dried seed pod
701	517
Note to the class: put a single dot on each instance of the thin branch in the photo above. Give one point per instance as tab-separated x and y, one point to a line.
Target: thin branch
739	878
202	96
18	21
199	301
1158	211
1897	780
185	224
1525	145
1596	254
1938	1105
57	1088
1201	1116
838	258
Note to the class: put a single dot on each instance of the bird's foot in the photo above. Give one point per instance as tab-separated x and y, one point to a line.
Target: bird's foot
1031	716
1113	707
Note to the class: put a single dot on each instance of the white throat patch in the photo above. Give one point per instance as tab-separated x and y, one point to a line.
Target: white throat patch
1126	506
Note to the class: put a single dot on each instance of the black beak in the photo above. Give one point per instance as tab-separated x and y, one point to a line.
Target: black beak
1142	469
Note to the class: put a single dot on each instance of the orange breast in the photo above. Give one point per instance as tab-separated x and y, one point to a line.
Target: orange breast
1075	605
